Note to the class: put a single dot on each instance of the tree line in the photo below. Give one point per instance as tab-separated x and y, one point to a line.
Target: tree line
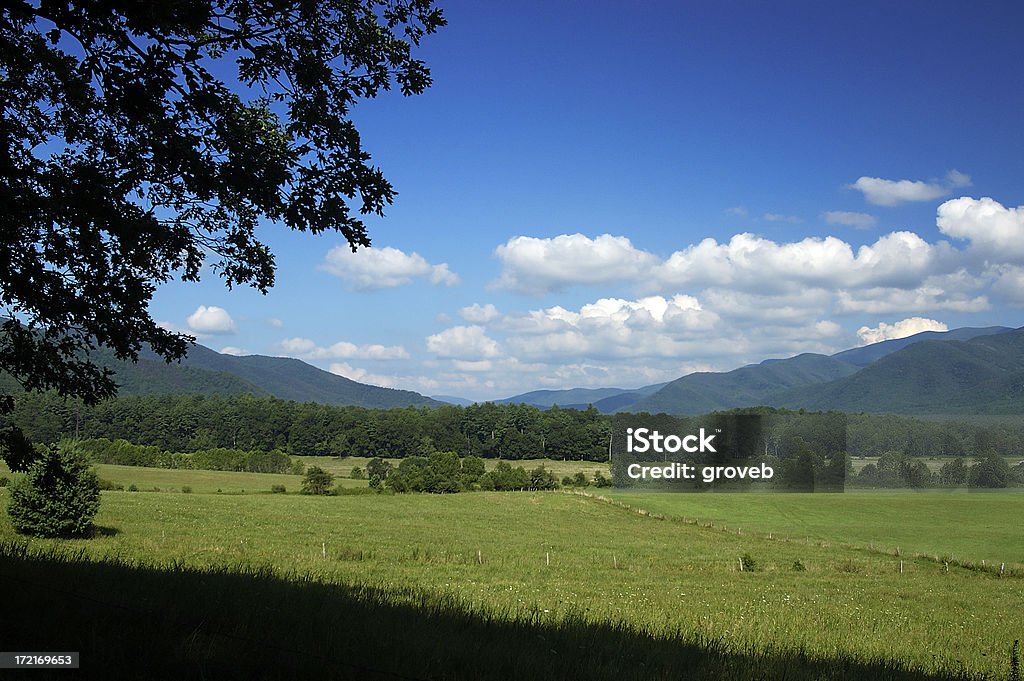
194	423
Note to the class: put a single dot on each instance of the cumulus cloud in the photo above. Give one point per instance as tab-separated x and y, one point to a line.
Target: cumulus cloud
212	319
991	228
305	348
479	314
901	329
754	263
1009	284
377	268
849	219
537	266
736	211
883	192
362	375
463	342
654	326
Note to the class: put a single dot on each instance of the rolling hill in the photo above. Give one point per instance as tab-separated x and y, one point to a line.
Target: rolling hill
984	375
702	392
207	372
817	382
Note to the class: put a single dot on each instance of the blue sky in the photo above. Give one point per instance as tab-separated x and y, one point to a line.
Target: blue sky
595	195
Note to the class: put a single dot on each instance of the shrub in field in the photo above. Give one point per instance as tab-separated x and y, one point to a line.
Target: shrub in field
134	488
109	485
600	480
357	473
317	481
568	482
990	471
748	563
277	489
186	489
58	496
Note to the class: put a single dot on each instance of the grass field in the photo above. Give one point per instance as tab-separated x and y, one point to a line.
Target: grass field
957	524
228	482
520	585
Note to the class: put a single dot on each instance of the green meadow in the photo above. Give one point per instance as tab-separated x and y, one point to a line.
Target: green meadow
962	525
525	585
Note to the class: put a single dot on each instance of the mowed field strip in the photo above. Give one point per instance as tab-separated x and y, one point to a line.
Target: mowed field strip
555	556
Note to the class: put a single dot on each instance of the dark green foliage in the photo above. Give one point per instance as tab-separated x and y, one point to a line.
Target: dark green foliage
748	563
991	471
186	489
108	485
141	139
15	449
317	481
357	473
134	488
58	496
953	473
124	453
541	479
4	481
600	480
278	489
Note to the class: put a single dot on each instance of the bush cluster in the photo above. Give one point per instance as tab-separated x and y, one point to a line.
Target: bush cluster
124	453
446	473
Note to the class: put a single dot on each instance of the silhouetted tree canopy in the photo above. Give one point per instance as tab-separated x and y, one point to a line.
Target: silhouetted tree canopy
141	140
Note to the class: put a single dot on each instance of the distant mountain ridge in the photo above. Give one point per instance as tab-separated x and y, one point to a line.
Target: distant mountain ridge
982	375
207	372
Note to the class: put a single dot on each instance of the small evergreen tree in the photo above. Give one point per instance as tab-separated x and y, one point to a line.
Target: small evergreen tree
57	497
317	481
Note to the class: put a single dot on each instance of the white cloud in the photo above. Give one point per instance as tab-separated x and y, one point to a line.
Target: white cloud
737	211
779	217
927	298
232	350
361	375
387	267
212	319
894	192
276	323
479	314
463	342
537	266
850	219
901	329
1009	284
611	327
753	263
990	227
307	349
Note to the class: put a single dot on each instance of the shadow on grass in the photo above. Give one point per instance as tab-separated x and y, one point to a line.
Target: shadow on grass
104	531
176	622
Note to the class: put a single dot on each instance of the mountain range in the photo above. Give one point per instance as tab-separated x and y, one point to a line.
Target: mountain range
207	372
968	370
963	371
